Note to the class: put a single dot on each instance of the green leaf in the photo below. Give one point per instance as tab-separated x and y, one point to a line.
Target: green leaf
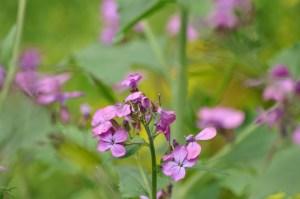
132	11
110	64
289	57
6	46
131	183
281	176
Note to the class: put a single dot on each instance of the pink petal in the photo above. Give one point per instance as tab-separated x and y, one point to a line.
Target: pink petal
193	149
118	150
180	154
206	134
120	136
168	167
102	128
178	173
189	163
134	96
103	146
106	137
46	99
104	114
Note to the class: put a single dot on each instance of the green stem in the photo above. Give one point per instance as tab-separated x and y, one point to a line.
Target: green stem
181	83
15	53
153	160
184	189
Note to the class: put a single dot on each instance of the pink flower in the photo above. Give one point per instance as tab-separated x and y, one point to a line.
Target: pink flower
85	110
193	148
296	136
220	117
279	90
131	81
175	167
173	28
30	59
108	34
113	141
279	71
166	118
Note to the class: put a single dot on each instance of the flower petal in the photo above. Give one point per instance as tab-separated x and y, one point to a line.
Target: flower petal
102	128
168	167
193	149
178	173
103	146
120	136
118	150
206	134
180	154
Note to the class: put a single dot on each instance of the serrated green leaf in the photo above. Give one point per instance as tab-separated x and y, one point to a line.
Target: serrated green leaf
132	11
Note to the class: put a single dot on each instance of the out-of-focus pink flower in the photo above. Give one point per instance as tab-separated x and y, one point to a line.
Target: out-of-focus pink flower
227	14
296	136
113	141
2	76
270	117
85	110
64	114
110	18
279	90
130	82
30	59
279	71
220	117
173	28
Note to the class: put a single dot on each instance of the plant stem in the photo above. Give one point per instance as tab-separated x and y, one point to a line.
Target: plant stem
15	53
153	160
181	83
184	189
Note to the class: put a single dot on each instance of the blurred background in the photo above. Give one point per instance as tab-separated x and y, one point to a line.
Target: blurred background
229	64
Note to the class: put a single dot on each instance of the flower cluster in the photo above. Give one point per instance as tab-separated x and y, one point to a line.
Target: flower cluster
173	27
43	88
229	14
282	89
114	126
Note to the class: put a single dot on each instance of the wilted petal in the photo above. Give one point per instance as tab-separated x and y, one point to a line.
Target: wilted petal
193	149
206	134
118	150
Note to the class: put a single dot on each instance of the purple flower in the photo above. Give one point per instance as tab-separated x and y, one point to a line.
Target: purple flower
101	121
270	117
166	118
296	136
131	81
279	90
227	14
173	28
279	71
2	76
113	141
64	114
220	117
193	148
175	166
30	59
110	18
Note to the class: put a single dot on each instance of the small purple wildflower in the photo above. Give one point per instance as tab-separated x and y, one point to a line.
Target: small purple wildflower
175	166
220	117
113	141
131	81
30	59
279	71
279	90
85	110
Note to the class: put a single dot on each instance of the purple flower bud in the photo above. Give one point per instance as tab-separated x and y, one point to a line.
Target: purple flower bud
297	87
296	136
270	117
166	118
30	59
279	90
220	117
113	141
279	71
2	76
